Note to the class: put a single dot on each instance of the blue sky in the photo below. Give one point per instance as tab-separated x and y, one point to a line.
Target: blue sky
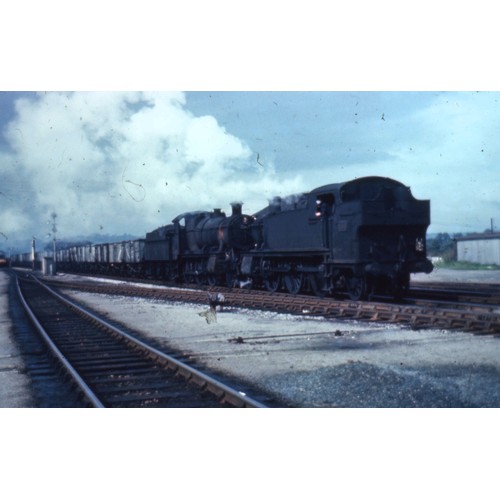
126	162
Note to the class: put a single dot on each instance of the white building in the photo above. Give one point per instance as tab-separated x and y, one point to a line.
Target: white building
479	248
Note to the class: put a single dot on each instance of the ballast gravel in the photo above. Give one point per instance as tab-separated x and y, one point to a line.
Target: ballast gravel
311	362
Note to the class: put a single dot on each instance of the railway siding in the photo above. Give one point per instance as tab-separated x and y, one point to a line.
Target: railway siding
313	362
422	315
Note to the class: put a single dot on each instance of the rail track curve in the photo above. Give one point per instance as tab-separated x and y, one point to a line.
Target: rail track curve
110	367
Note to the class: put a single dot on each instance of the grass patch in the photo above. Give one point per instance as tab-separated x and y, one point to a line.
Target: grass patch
466	266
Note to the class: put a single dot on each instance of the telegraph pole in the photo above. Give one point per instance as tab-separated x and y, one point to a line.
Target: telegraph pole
54	231
33	253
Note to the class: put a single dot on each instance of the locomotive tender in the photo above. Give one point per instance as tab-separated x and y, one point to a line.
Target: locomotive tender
359	237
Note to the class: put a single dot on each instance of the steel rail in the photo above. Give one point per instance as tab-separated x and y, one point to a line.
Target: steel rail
450	316
86	390
223	392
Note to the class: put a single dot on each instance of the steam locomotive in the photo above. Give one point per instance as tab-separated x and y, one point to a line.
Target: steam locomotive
358	238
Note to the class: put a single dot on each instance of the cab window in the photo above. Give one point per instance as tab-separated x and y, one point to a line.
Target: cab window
324	205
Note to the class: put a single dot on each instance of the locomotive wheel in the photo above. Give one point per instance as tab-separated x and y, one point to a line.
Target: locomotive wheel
230	278
317	284
213	280
200	279
293	282
189	276
400	286
272	282
356	287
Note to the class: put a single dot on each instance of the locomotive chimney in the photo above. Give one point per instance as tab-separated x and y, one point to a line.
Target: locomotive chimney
236	206
217	211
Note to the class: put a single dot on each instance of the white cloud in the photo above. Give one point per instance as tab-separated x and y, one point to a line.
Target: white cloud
13	220
126	162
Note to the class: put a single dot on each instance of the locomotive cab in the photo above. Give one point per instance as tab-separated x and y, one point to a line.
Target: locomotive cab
325	204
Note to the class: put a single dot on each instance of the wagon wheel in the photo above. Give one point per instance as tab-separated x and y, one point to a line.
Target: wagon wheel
293	282
272	282
356	287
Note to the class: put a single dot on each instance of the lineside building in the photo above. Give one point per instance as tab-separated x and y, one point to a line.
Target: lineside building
479	248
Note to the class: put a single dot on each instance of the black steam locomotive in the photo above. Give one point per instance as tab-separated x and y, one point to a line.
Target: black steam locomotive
359	237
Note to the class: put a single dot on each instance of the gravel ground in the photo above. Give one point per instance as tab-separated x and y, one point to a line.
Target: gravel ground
314	363
323	363
15	390
456	276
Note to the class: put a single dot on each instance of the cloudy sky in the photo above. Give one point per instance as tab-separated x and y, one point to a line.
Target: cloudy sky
127	162
112	162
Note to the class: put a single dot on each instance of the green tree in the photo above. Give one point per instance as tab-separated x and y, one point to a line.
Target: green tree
440	245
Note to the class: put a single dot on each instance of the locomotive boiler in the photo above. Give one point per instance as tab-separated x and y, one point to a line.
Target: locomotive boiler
201	246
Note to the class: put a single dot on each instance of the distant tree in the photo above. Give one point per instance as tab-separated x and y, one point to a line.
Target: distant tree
440	245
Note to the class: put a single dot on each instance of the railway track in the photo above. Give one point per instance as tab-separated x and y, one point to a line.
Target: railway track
110	367
480	293
477	317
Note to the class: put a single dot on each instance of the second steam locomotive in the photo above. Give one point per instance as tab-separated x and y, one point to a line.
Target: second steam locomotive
359	237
